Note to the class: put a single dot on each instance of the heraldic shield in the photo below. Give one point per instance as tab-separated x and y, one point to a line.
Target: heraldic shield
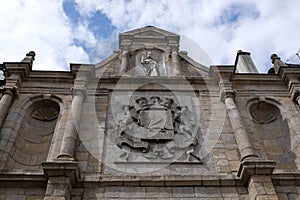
155	127
158	120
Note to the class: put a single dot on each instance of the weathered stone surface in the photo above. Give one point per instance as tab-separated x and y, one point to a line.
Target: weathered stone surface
201	133
207	192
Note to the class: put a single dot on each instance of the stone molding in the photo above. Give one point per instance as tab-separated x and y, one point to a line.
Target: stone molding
9	179
79	91
68	169
163	180
250	167
12	91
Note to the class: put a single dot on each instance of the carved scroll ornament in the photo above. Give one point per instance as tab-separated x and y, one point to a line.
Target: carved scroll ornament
156	127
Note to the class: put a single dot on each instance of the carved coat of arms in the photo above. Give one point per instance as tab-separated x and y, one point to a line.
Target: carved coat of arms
156	128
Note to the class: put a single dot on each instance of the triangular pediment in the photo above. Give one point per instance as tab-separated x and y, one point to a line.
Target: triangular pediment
149	31
163	48
148	34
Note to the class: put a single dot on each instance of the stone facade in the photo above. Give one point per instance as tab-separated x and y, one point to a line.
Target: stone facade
149	122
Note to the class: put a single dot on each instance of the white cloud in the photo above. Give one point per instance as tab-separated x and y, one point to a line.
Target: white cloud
261	27
267	27
82	34
40	26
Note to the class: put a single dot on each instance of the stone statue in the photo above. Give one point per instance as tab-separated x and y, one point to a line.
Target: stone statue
149	64
2	76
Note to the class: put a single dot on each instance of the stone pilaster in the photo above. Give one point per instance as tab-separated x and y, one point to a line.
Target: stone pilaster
175	61
254	172
62	176
261	187
124	58
70	135
240	133
6	101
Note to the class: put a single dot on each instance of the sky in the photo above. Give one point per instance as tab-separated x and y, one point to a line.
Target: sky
86	31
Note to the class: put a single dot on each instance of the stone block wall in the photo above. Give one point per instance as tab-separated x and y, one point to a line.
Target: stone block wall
161	193
232	135
22	193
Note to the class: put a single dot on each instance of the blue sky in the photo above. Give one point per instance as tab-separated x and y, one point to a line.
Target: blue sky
80	31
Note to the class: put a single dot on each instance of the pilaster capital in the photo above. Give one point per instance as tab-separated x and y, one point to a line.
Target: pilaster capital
174	47
226	90
125	45
227	94
79	91
12	91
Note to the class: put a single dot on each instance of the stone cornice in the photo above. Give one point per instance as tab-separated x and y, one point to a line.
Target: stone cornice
290	76
9	179
286	178
68	169
224	72
23	72
95	180
149	32
250	167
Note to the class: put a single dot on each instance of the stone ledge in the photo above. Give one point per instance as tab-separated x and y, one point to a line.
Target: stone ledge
22	179
62	168
286	178
167	180
255	167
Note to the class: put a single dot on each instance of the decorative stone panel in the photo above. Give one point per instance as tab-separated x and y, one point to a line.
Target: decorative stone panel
157	132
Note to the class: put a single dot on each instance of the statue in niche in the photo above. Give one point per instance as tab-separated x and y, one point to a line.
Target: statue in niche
150	66
157	128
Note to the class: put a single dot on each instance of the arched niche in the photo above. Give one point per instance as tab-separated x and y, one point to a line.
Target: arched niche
137	64
273	132
34	136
